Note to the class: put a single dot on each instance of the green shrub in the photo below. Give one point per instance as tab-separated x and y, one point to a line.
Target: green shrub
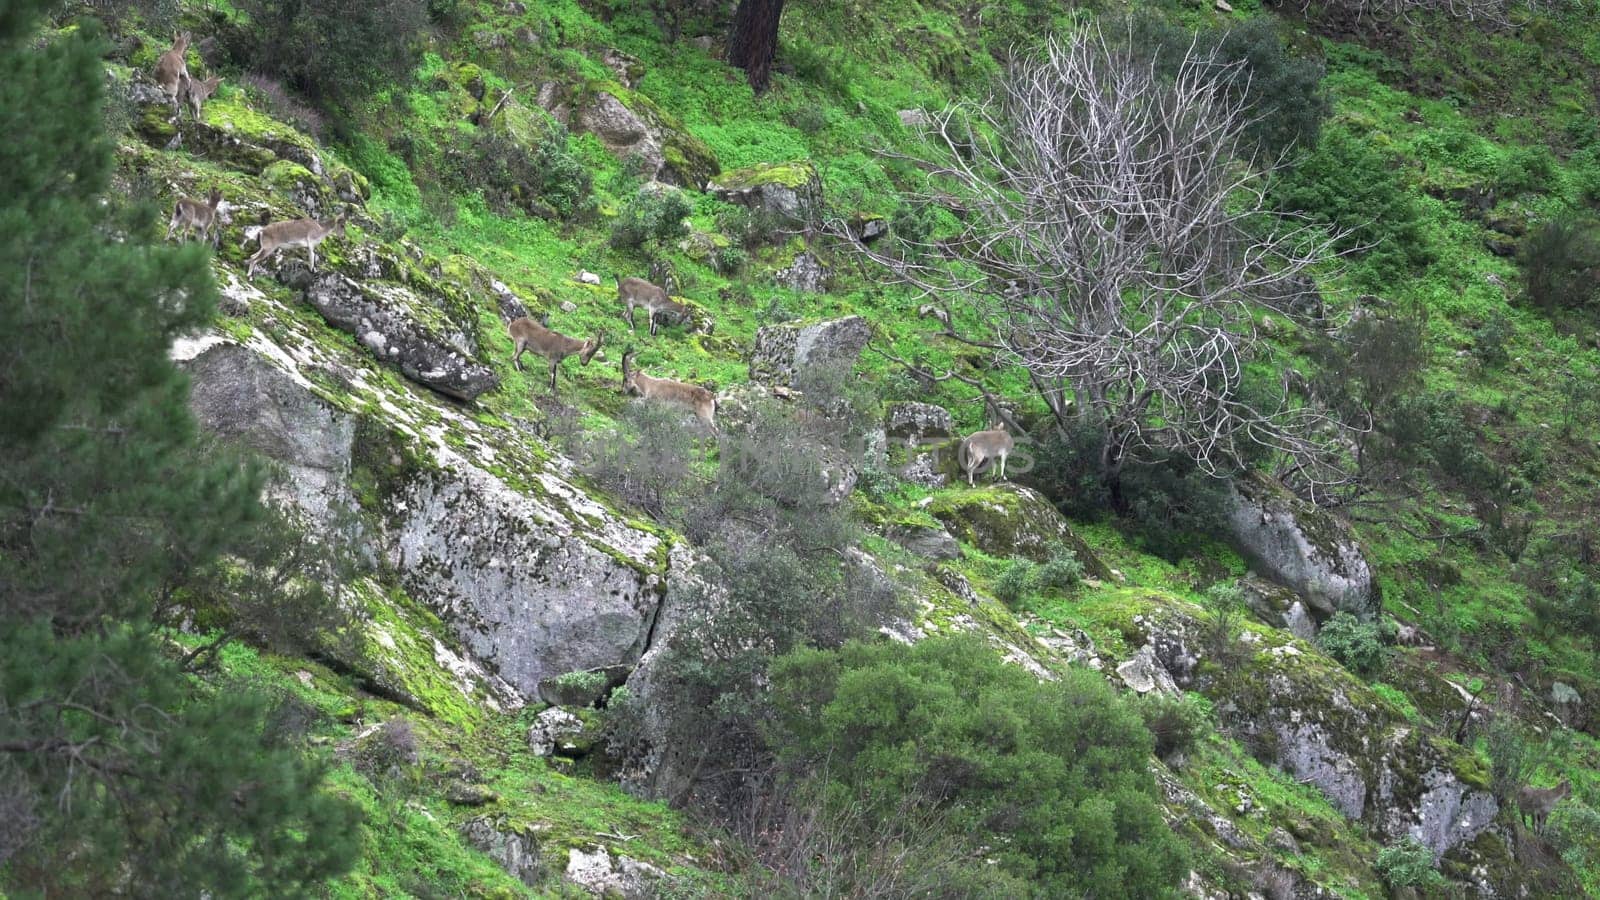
1574	828
1016	582
1062	571
1051	778
1561	263
1525	170
1354	643
1177	722
1348	183
1408	864
729	260
546	180
650	220
330	50
1489	341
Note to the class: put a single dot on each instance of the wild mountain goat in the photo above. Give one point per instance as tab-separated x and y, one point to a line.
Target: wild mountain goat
194	94
307	233
637	384
636	292
983	447
172	71
1536	803
530	335
205	216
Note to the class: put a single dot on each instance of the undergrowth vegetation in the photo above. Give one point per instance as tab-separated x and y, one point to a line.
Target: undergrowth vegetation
1454	335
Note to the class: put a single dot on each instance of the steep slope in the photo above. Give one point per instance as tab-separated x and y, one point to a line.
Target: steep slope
501	579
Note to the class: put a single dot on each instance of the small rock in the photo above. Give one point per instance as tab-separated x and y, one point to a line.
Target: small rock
1143	673
463	794
1223	6
554	729
915	422
928	541
914	118
567	306
587	277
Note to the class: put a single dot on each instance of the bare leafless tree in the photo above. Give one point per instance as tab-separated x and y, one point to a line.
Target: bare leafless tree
1115	239
1494	13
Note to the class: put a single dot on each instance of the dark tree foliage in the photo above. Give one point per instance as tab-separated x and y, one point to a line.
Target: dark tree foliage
121	774
1050	779
753	41
1284	90
1561	263
333	51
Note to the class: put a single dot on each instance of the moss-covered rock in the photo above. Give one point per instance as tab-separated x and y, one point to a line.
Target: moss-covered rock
787	190
1301	547
1008	520
629	124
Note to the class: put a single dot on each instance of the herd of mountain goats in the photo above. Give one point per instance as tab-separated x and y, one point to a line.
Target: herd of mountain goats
981	450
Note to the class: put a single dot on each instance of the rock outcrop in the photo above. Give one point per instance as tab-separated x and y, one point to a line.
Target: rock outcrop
515	848
1303	548
1294	708
788	191
630	125
384	318
805	274
917	423
1011	520
531	577
783	352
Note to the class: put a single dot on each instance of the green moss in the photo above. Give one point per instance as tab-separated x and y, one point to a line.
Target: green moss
790	175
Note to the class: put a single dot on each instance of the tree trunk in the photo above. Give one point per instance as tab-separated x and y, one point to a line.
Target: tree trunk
754	40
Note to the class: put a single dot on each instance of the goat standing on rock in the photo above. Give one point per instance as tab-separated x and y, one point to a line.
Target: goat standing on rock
530	335
205	216
982	447
695	397
307	233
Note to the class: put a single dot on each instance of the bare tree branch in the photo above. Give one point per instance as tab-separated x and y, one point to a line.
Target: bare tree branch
1115	239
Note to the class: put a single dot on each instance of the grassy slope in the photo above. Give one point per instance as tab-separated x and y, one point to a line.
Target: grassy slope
1454	109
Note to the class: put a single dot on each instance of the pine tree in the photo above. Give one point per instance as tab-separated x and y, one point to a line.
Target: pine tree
118	772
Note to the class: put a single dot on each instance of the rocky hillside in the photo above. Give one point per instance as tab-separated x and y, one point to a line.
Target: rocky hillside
1332	688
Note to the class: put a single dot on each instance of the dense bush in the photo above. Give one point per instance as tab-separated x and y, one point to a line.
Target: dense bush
780	550
1561	263
1170	506
1348	183
1356	644
1284	91
1177	722
1016	582
545	180
1408	864
333	51
651	219
1489	340
1051	777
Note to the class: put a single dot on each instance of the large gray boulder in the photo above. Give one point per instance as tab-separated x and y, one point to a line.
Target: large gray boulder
1301	547
239	396
624	132
783	352
514	847
789	191
915	423
528	588
391	321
